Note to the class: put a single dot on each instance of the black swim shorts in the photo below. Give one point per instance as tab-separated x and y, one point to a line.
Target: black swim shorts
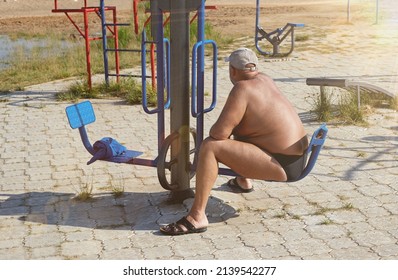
292	164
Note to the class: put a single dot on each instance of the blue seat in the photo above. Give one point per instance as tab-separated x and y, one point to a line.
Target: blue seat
81	114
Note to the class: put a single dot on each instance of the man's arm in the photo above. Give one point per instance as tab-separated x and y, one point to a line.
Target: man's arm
231	115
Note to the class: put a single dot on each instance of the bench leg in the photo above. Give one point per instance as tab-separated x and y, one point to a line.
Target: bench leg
323	97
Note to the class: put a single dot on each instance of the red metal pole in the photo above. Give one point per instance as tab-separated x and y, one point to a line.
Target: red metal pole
135	12
153	71
87	41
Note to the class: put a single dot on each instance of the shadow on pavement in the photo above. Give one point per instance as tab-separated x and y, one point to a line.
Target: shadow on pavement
131	211
369	154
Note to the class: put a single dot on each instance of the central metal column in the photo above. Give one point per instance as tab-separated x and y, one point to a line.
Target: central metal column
179	89
179	82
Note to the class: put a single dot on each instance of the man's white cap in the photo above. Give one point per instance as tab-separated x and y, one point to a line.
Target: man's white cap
241	57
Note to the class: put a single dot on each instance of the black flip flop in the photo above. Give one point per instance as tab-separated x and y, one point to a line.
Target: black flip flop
233	184
176	229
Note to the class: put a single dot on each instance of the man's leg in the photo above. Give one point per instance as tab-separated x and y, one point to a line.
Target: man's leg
246	159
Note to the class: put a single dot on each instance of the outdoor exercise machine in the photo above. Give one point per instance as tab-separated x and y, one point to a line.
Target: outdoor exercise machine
109	31
116	49
275	37
84	30
174	151
143	51
173	76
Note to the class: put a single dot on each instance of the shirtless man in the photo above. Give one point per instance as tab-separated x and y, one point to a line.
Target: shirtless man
258	135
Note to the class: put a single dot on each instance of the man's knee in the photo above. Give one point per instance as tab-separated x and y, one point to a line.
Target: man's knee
209	145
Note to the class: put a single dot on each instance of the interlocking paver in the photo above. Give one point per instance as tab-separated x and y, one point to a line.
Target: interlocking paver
345	209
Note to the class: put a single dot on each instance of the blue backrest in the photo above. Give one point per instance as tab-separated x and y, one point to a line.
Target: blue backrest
80	114
317	140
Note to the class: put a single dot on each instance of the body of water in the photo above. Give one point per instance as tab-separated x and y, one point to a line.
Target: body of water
8	46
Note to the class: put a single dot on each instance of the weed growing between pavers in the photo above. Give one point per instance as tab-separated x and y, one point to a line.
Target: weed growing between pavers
85	191
117	187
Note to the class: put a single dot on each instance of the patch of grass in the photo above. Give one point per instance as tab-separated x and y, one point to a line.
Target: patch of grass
342	106
361	154
117	188
394	103
127	89
85	193
76	91
348	111
326	222
378	100
135	95
322	104
280	216
302	37
322	210
118	192
347	206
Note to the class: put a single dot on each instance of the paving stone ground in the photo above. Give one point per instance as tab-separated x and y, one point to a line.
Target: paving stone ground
347	208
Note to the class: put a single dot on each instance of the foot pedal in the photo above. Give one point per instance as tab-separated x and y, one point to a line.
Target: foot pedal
125	157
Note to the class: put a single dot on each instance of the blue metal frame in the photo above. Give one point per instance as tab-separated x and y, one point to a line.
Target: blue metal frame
104	41
199	80
166	71
317	141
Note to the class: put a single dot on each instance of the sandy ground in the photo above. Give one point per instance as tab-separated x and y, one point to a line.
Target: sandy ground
232	17
326	23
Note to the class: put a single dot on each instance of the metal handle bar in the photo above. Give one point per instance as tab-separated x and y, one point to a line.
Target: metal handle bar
195	80
167	58
143	76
